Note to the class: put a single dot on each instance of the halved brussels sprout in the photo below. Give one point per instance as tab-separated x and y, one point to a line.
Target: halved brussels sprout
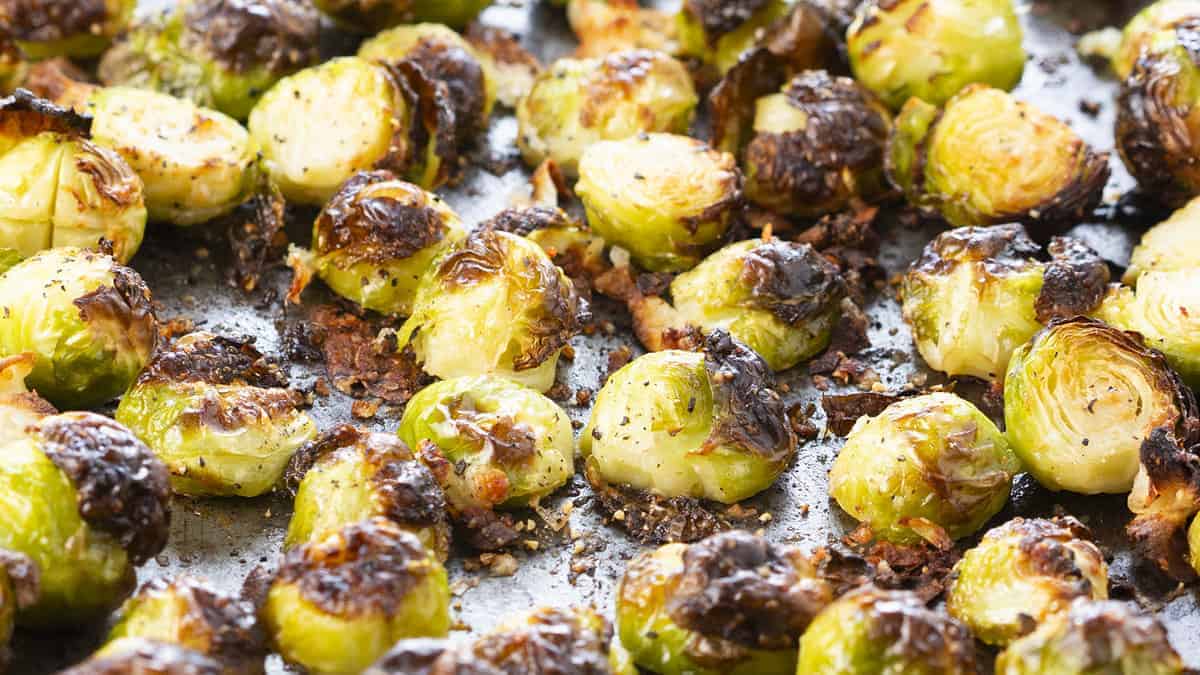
372	16
705	425
44	29
217	53
137	656
340	602
1093	637
1165	310
606	26
504	306
86	502
1171	245
1080	398
987	158
18	589
577	102
870	631
731	604
718	32
929	467
903	49
374	241
219	414
667	199
88	321
1022	572
1141	29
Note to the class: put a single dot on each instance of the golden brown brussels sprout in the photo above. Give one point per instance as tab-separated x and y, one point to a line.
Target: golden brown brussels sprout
219	414
930	467
1165	310
578	102
18	590
340	602
667	199
1140	31
44	29
137	656
732	604
606	26
1169	246
987	158
86	502
1022	572
1166	492
718	32
370	16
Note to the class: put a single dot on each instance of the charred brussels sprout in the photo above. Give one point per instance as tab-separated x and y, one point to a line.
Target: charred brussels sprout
87	320
78	28
138	656
578	102
370	16
1140	31
374	240
1165	310
1093	638
691	424
902	49
732	604
780	298
667	199
86	502
338	603
718	32
1021	573
503	303
1169	246
927	467
987	158
219	414
18	590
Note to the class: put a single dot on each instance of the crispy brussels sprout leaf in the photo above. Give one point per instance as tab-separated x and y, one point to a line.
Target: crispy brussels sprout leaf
1166	492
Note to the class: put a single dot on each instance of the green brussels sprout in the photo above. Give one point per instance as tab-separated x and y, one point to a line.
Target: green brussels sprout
731	604
986	158
1165	310
340	602
870	631
18	590
577	102
220	54
1022	572
903	49
219	414
44	29
504	305
88	321
690	424
718	32
1169	246
1079	399
667	199
929	467
86	502
1130	643
372	16
374	240
138	656
347	475
780	298
1141	29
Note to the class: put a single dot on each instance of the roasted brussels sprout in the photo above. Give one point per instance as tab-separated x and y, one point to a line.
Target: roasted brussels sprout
338	603
718	32
1171	245
871	631
903	49
137	656
606	26
1080	398
667	199
733	604
1140	31
18	589
578	102
1165	310
986	158
1166	492
86	502
79	28
929	467
504	305
691	424
371	16
374	240
87	320
1022	572
1093	637
220	54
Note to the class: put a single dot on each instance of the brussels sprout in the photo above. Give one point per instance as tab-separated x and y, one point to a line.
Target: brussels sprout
220	54
606	26
678	423
667	199
718	32
1165	310
780	298
1171	245
1166	491
578	102
733	604
44	29
1130	643
339	602
86	501
87	319
18	590
1080	398
987	158
903	49
504	305
876	632
59	189
927	467
1022	572
371	16
374	240
219	414
137	656
1140	31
